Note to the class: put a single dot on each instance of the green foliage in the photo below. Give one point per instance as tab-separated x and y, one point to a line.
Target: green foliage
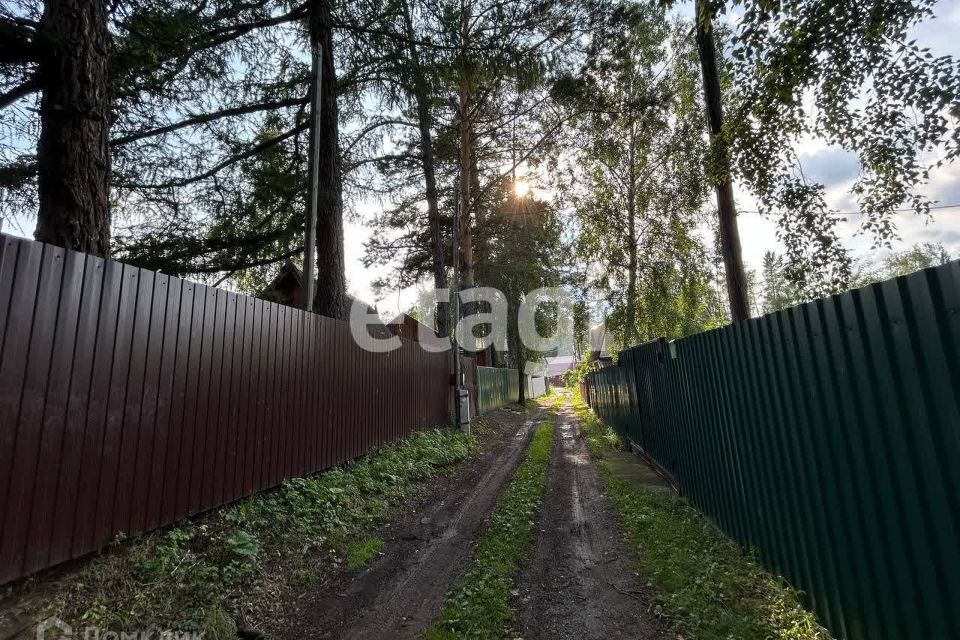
208	147
707	586
730	596
479	606
236	560
637	179
509	57
780	292
573	377
360	552
519	251
875	93
218	625
244	546
920	256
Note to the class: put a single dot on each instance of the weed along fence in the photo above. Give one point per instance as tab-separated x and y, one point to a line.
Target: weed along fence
827	436
131	399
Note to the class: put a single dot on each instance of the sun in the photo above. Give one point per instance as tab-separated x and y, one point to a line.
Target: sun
521	188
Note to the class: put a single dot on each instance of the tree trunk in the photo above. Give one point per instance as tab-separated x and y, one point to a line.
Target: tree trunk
421	91
631	306
73	156
331	283
729	234
465	157
521	359
515	345
522	395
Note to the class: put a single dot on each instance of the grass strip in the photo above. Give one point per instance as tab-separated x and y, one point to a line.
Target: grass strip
710	589
362	551
479	605
238	563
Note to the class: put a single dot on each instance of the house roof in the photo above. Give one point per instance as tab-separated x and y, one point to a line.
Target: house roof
559	365
410	328
289	271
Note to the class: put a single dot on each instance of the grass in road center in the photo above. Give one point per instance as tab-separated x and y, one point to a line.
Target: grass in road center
479	605
362	551
707	586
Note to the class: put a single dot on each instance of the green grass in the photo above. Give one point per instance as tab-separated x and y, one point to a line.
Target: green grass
479	606
710	589
362	551
237	564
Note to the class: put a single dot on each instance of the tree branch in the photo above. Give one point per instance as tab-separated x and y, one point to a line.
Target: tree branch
371	127
387	158
207	117
248	264
252	151
223	35
18	43
28	86
546	136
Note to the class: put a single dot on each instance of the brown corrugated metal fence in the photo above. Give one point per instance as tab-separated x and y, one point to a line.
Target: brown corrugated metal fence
131	399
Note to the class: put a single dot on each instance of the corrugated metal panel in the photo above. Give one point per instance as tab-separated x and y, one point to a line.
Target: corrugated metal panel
470	382
826	436
496	387
129	400
536	386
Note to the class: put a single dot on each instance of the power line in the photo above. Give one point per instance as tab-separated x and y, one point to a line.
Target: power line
860	213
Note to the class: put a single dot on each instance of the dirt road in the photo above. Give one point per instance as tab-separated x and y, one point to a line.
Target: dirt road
577	582
399	593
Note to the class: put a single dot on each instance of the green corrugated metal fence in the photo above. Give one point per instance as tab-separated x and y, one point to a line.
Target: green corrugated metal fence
536	386
827	436
496	387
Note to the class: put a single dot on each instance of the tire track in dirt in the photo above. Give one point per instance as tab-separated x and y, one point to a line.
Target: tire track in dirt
398	595
579	582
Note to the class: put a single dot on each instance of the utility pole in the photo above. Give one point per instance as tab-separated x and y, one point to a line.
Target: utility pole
310	243
454	337
729	233
461	214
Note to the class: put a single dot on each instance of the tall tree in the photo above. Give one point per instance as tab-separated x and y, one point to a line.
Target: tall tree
922	255
521	250
642	152
721	176
331	282
423	98
190	99
66	57
778	291
465	156
495	51
210	98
